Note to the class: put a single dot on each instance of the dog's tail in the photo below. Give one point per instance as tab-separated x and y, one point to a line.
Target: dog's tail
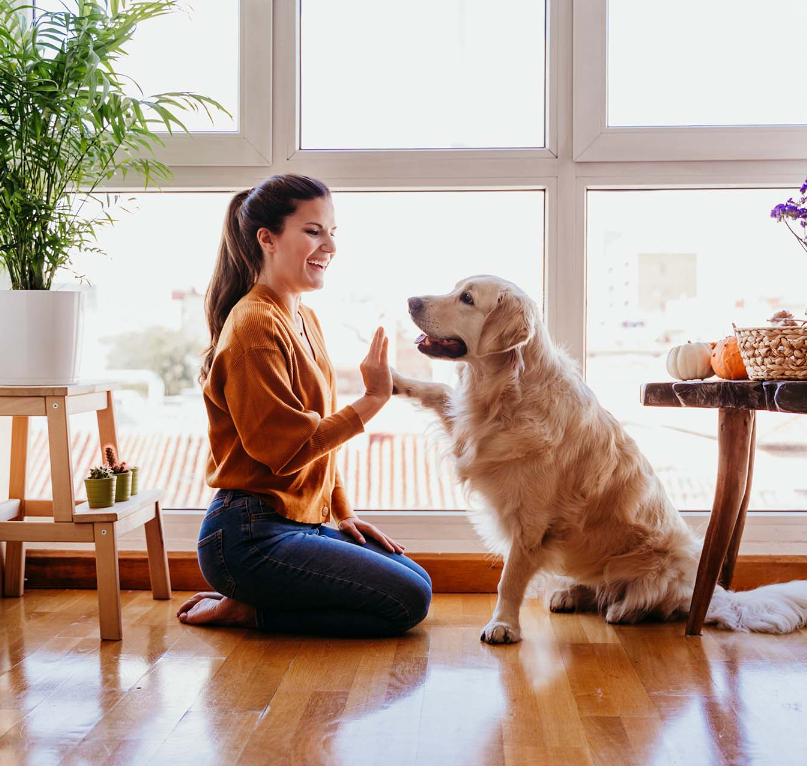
779	608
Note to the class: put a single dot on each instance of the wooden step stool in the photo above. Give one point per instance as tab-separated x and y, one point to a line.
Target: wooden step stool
63	519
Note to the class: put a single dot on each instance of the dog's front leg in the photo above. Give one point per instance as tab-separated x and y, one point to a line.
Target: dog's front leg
519	567
433	396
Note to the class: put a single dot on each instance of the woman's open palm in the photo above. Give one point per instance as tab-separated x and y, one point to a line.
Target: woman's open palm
375	368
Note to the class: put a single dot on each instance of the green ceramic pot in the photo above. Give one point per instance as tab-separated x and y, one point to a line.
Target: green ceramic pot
101	492
135	473
123	490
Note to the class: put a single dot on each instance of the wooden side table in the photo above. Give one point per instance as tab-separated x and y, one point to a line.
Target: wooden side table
64	519
737	403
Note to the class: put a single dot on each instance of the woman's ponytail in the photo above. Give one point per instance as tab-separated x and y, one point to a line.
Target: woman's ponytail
233	276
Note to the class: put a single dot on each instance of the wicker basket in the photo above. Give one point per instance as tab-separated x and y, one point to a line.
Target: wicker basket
773	353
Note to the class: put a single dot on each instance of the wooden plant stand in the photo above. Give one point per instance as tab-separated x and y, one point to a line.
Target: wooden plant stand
62	518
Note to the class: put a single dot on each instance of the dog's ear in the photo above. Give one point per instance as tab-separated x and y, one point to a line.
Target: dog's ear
511	324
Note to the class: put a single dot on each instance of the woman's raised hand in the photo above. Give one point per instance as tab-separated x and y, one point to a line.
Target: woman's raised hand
377	378
375	368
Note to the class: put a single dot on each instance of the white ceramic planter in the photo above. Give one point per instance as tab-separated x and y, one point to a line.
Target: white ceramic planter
40	337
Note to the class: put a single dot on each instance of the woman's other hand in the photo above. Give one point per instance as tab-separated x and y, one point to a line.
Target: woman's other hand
375	367
360	530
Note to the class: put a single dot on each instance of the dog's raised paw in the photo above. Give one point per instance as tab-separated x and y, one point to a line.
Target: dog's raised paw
398	387
500	633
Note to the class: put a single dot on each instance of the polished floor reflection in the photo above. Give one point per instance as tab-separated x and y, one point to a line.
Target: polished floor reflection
575	691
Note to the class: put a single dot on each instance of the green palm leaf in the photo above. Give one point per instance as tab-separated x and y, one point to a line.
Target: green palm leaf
67	124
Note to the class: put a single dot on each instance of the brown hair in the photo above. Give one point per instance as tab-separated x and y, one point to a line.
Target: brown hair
240	258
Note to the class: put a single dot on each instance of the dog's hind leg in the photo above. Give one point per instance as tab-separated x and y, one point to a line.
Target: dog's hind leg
519	567
576	598
432	396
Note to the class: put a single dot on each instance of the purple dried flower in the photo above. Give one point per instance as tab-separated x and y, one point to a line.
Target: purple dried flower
793	211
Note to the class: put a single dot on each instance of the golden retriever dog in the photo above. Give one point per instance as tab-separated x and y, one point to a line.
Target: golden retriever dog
564	490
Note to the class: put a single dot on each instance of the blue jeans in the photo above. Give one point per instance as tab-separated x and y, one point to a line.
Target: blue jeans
307	578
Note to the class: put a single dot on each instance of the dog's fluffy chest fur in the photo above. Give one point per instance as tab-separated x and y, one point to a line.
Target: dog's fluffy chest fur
498	430
505	455
526	454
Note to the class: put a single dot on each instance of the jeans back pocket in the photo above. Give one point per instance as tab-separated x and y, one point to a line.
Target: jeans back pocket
210	552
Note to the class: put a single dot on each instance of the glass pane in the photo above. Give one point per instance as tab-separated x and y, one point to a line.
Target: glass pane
704	62
194	49
422	74
393	246
665	267
146	328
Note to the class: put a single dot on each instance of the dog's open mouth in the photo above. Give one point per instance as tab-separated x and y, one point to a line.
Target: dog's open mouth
449	348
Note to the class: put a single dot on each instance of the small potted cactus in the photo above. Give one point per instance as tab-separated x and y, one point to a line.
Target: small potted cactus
100	486
123	486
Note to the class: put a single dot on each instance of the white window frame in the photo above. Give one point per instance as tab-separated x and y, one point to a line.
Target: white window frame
566	170
251	144
595	141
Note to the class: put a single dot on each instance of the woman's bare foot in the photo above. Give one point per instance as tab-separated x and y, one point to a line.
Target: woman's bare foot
196	599
215	609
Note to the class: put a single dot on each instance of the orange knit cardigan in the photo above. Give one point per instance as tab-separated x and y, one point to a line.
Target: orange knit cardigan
273	425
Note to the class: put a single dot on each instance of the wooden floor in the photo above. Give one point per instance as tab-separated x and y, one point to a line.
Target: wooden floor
575	691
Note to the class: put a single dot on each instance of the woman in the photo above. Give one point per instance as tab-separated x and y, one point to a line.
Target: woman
270	394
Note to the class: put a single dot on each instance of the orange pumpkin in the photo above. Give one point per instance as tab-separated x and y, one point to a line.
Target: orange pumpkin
726	360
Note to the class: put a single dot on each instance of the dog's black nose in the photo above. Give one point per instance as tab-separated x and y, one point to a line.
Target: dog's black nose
415	305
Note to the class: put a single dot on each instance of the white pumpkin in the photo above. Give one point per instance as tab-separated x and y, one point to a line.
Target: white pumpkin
690	362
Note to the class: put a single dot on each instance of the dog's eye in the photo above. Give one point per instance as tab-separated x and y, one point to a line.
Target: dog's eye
467	298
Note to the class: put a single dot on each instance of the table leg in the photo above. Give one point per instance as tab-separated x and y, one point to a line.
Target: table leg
61	458
106	564
727	572
14	581
158	558
735	430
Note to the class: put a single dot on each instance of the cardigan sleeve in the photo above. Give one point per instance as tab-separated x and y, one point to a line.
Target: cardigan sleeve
272	423
340	503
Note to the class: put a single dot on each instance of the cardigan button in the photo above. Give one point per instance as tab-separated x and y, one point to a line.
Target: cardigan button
325	512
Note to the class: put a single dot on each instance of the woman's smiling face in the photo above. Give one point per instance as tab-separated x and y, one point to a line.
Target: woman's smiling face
299	256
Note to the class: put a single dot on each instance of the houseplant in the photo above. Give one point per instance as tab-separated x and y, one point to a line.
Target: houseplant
67	125
100	486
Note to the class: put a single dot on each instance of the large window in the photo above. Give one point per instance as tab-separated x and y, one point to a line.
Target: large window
619	167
